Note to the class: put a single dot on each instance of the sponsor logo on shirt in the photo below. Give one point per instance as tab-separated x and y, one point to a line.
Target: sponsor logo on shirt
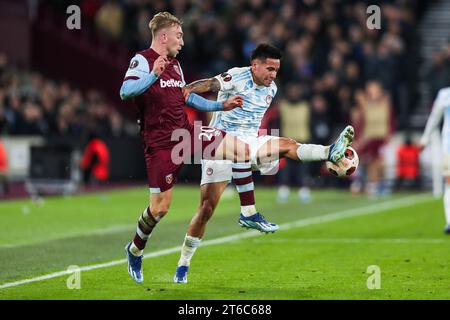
171	83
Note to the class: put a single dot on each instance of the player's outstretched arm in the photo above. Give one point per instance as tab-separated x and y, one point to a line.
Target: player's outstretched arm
202	104
202	86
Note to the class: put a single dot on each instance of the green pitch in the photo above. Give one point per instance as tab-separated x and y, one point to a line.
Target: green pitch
322	251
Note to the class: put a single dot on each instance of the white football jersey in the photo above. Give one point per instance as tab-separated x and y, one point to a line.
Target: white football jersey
243	121
441	109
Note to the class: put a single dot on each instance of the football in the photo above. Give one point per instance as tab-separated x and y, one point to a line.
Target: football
346	166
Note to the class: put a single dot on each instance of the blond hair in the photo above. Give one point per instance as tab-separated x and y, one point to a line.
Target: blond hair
163	20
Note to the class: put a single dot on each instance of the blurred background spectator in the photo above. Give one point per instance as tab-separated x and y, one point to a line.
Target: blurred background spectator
408	166
95	161
295	123
4	185
373	122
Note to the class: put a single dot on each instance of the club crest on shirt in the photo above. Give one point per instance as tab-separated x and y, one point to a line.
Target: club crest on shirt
269	99
169	178
177	69
134	64
226	76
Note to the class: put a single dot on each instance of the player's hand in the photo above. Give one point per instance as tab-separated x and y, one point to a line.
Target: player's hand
185	92
233	102
160	65
421	147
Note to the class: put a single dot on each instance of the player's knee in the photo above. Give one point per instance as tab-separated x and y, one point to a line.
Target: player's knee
287	143
206	210
287	146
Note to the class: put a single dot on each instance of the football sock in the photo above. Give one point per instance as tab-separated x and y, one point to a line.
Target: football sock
248	211
135	250
447	203
188	248
312	152
243	179
144	229
283	193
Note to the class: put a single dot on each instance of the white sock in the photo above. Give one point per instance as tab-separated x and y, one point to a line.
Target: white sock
190	244
135	250
312	152
447	203
248	211
283	192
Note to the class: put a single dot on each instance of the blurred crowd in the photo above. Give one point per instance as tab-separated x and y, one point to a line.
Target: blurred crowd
31	104
439	72
328	48
335	70
327	45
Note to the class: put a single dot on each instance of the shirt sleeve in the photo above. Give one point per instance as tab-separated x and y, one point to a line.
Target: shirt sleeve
227	80
134	87
202	104
443	99
138	68
138	78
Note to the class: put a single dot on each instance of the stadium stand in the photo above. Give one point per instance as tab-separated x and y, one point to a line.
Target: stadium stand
328	51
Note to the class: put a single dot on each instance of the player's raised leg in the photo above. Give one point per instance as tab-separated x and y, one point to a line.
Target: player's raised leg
209	198
158	208
337	149
286	147
232	148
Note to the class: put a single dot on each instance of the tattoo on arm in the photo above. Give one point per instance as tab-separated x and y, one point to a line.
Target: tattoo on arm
204	85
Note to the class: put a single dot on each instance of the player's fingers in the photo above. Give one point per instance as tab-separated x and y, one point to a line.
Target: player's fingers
185	93
164	60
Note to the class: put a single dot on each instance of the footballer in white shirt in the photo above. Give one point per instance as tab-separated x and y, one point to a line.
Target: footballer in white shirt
256	85
441	110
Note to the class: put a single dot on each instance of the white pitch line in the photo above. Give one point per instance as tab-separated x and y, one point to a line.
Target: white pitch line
358	240
96	232
393	204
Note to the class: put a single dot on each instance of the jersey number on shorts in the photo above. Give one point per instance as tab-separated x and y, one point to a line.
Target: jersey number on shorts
206	132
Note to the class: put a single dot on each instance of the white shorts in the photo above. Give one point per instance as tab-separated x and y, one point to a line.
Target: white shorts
221	170
446	165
